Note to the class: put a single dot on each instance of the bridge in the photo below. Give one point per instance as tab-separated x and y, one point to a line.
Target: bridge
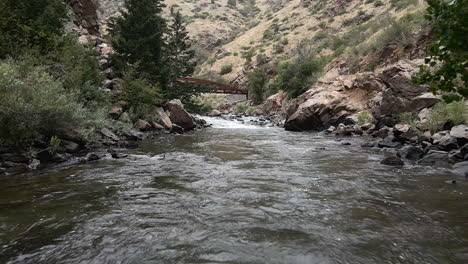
217	87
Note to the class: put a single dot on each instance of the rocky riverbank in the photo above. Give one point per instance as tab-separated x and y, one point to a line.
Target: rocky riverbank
74	148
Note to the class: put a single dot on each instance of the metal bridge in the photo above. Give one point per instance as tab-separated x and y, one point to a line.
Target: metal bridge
217	87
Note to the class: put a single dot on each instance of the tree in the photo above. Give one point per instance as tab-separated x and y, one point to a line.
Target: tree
138	39
257	80
446	68
26	25
181	58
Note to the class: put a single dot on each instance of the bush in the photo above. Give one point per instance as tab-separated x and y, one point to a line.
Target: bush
364	117
241	108
139	95
33	104
226	69
455	113
257	80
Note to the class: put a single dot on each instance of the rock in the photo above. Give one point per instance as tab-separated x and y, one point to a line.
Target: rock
382	133
109	73
331	129
125	118
177	129
142	125
70	147
464	150
460	133
92	157
388	142
438	158
346	144
368	127
411	153
273	104
373	144
157	126
400	129
115	112
343	130
17	158
424	114
455	156
133	135
61	158
2	171
70	134
44	155
215	113
424	101
461	169
118	155
444	141
34	164
109	134
392	161
163	118
179	116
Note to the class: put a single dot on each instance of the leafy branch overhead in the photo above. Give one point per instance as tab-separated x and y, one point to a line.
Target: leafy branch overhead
446	68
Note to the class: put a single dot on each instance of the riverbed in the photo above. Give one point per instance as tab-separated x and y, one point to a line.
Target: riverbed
236	193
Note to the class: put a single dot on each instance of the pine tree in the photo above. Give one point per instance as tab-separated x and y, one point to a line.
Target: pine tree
180	58
138	39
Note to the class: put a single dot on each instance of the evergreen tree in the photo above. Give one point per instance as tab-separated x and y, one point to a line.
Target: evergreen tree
30	25
180	58
138	39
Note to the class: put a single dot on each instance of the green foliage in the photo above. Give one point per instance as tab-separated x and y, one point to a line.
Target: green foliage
257	80
34	104
441	113
30	25
139	95
226	69
54	145
295	76
402	4
241	108
364	117
446	68
411	119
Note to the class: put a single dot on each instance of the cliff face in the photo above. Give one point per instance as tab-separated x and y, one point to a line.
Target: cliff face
85	15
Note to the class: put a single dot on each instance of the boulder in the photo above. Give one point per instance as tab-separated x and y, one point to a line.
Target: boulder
92	157
215	113
163	118
343	130
392	161
179	116
44	155
34	164
400	129
444	141
70	146
115	112
125	118
177	129
142	125
389	142
438	158
461	169
157	126
274	103
464	150
331	129
411	152
109	134
460	133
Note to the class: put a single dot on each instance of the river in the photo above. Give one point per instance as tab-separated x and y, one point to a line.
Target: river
236	193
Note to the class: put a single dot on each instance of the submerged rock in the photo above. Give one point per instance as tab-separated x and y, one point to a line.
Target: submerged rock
411	152
392	161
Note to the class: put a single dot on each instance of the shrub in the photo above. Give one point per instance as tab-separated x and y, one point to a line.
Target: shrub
226	69
364	117
241	108
33	104
455	113
257	80
411	119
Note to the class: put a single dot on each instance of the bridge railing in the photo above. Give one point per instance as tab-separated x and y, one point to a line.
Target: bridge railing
216	86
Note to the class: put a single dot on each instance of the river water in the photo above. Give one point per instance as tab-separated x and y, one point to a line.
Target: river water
236	193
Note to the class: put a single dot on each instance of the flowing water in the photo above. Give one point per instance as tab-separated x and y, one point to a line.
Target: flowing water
236	194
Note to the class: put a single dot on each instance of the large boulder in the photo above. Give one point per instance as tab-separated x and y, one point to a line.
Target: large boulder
401	94
411	152
274	103
179	116
444	141
109	134
460	133
439	158
142	125
163	118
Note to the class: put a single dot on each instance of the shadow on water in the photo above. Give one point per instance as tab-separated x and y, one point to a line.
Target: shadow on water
236	194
